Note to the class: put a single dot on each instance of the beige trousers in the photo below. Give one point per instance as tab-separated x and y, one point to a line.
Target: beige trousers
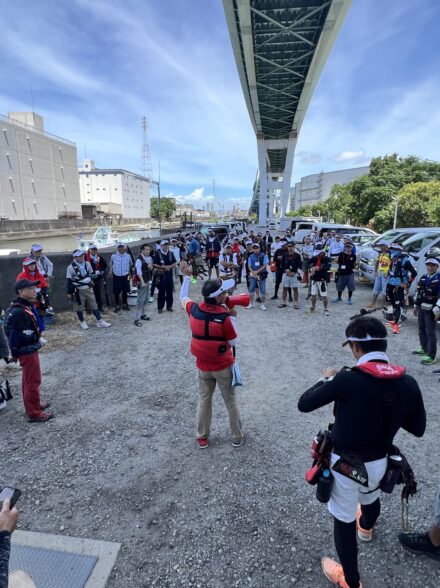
207	384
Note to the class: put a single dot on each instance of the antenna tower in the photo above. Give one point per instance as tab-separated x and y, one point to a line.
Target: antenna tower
147	168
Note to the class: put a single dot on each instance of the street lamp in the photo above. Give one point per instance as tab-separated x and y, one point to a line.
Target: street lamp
396	203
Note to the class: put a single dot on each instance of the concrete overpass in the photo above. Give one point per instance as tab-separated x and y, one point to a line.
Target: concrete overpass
280	47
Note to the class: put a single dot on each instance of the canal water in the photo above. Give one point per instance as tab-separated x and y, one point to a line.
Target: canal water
68	242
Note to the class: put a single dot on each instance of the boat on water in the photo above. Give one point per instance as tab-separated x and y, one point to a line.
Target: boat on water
9	251
106	237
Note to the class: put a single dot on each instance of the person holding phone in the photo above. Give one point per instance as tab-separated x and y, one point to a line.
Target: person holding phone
8	522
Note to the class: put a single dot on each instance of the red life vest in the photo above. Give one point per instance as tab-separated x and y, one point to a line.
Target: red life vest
208	343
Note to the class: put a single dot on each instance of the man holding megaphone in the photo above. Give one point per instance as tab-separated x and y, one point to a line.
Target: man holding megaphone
212	324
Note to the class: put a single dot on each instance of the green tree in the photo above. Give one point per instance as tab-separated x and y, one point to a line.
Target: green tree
419	204
167	208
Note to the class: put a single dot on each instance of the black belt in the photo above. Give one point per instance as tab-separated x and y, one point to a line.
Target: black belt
365	456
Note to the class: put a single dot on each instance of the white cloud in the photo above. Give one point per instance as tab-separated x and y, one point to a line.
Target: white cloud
308	158
359	156
197	196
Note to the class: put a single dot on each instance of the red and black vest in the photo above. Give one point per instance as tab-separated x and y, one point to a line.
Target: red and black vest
208	343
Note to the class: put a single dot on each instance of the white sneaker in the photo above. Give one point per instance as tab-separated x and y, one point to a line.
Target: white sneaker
43	341
250	305
263	307
151	299
84	325
101	324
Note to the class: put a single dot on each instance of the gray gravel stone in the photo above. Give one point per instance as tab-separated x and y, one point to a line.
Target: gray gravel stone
120	463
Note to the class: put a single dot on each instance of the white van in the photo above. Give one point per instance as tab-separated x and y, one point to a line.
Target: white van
367	255
418	247
305	228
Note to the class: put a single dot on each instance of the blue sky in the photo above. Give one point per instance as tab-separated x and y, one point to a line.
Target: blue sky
97	66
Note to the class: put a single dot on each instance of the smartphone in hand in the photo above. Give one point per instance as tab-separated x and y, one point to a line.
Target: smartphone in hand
12	493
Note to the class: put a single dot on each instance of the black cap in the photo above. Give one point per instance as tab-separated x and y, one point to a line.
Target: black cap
25	284
210	287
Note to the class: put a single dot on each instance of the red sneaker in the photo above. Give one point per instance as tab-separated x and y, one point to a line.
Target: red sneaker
396	329
202	442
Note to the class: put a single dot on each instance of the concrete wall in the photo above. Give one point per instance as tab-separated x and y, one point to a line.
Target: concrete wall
13	230
38	173
10	267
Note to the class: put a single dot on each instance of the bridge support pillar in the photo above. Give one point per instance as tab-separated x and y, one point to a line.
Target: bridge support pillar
287	177
262	164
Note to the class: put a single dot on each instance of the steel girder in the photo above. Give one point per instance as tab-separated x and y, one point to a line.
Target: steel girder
280	47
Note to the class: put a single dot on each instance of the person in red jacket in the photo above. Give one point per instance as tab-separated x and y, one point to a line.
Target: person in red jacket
213	337
31	273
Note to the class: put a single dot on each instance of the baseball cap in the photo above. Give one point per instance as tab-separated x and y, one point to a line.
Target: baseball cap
28	260
93	246
164	242
78	253
433	260
120	244
382	242
36	247
214	288
25	284
396	246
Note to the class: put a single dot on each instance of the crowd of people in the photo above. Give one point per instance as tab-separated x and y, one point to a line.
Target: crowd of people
304	273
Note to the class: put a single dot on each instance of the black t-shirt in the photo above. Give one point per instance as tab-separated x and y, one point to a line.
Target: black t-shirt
346	264
291	262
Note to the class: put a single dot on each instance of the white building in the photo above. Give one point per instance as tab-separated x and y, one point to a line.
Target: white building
38	171
317	187
115	191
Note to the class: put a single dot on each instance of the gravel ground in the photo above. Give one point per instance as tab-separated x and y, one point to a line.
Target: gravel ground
120	461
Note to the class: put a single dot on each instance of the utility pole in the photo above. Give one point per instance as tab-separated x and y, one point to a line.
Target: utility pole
396	203
158	199
147	169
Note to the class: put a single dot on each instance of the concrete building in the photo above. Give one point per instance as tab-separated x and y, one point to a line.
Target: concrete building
317	187
115	191
38	171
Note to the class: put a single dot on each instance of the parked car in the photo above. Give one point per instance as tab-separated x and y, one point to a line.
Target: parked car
219	230
367	255
361	239
418	247
305	228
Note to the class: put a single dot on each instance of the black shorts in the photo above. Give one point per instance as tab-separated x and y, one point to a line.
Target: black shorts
213	261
